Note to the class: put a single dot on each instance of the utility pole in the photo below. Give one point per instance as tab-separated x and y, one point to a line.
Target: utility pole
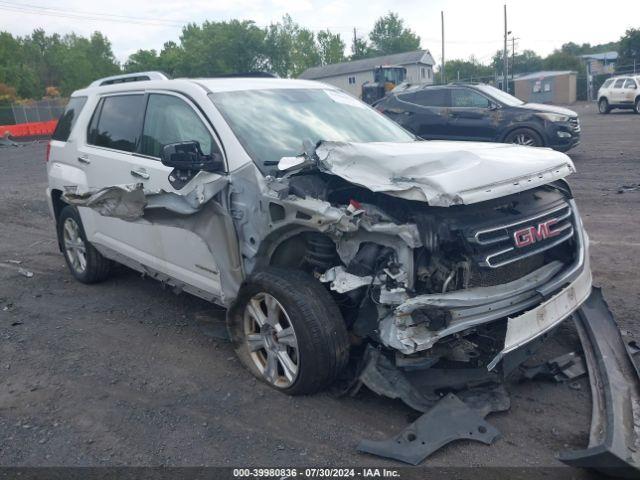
355	42
505	58
442	74
513	57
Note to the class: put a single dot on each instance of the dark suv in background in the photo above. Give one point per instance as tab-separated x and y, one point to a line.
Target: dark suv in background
480	113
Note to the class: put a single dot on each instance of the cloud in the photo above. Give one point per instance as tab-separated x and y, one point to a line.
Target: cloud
472	27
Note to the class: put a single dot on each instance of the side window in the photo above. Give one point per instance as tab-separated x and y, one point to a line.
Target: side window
463	97
116	122
68	118
431	97
618	83
170	119
607	83
630	83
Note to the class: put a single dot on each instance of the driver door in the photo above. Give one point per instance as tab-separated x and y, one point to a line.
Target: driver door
125	139
471	116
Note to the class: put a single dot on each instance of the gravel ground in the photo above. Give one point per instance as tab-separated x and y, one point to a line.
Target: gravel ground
127	373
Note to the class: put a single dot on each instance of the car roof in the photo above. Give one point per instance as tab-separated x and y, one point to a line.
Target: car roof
223	84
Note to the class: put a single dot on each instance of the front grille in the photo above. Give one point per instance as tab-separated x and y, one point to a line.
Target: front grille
489	277
502	245
575	124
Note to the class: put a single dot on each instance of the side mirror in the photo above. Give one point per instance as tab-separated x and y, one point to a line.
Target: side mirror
493	106
188	156
634	86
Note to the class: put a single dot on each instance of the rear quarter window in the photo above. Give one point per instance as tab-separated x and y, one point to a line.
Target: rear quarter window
607	83
68	118
117	122
437	97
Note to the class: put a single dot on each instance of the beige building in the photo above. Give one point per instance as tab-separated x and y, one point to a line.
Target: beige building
557	87
350	76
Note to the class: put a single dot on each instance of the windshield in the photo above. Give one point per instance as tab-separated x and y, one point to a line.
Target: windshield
271	124
501	96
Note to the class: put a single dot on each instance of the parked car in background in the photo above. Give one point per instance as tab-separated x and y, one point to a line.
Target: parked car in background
480	112
619	92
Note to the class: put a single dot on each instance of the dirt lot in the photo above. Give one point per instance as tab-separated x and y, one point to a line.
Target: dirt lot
126	373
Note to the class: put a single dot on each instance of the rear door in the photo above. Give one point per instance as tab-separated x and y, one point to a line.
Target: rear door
471	116
617	91
426	112
629	91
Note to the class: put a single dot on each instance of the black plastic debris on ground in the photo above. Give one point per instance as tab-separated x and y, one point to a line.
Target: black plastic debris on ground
560	369
448	420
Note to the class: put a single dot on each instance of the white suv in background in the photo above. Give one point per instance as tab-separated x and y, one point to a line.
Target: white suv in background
619	92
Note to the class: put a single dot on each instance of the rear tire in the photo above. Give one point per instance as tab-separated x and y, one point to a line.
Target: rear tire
637	106
85	263
288	331
603	106
524	136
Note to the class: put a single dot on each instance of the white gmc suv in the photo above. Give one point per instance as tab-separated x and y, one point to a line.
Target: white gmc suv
322	226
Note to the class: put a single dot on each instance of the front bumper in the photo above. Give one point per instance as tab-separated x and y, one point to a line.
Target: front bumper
532	305
562	136
614	375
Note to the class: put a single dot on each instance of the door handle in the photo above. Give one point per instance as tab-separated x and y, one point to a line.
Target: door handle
84	159
140	173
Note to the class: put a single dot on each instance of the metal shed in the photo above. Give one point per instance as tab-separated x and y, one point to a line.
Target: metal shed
558	87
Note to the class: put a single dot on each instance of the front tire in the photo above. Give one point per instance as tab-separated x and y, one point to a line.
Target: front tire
524	136
288	331
85	263
603	106
637	106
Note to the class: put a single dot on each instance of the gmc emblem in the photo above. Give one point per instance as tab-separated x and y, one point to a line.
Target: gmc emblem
530	235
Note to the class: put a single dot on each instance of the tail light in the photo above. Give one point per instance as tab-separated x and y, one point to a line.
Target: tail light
48	152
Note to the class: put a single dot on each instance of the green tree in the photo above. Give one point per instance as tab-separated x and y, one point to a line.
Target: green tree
629	47
331	47
290	49
361	49
560	60
142	60
527	61
389	35
216	48
170	58
467	70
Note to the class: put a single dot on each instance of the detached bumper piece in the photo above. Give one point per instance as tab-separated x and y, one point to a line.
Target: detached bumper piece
450	419
614	440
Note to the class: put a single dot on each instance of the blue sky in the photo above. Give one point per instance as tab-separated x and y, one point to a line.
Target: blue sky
472	27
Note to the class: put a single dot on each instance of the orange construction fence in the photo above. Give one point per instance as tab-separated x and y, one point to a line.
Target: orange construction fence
34	129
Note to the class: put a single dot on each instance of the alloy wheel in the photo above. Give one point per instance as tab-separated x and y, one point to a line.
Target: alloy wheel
74	246
524	139
603	106
271	340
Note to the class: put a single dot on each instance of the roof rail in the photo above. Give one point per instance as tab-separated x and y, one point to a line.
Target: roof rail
129	77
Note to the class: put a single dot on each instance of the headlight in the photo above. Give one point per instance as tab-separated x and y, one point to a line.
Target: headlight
553	117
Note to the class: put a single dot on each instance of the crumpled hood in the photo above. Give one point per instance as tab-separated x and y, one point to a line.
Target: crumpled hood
549	108
443	173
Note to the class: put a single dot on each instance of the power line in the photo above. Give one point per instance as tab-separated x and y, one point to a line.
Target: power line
101	16
38	9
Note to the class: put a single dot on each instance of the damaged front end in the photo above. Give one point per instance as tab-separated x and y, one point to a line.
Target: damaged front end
433	287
